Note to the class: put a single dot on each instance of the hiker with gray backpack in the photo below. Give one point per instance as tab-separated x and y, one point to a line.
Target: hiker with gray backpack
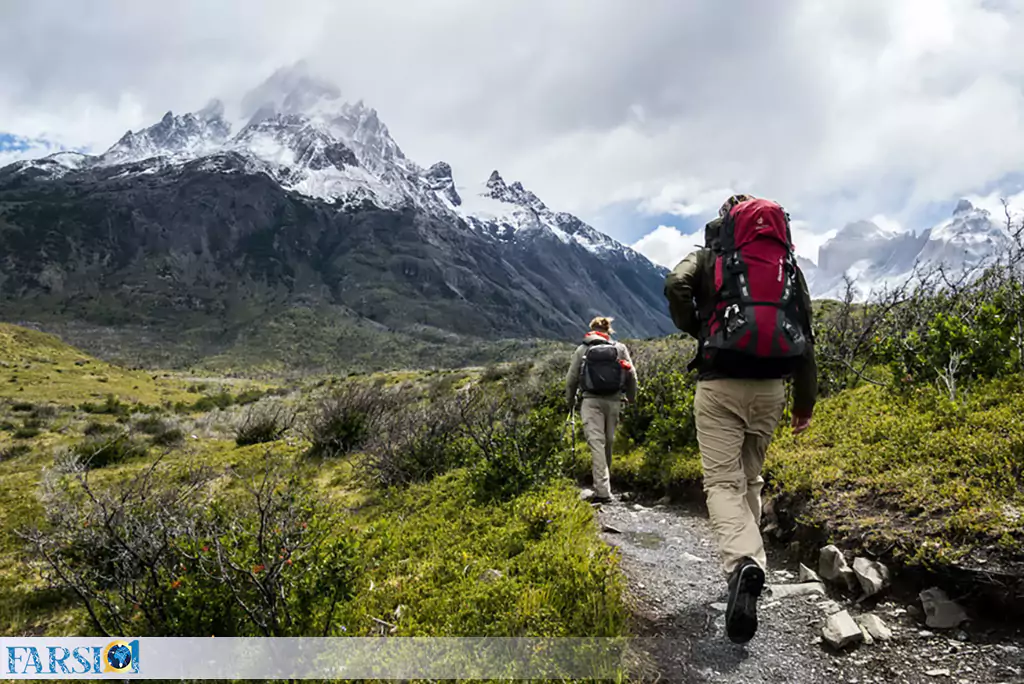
602	372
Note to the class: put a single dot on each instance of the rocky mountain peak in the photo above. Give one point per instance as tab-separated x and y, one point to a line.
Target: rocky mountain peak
962	207
439	179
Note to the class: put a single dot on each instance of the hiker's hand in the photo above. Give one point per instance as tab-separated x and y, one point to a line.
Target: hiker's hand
800	423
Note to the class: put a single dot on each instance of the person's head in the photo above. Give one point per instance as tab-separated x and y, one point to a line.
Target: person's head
602	324
732	202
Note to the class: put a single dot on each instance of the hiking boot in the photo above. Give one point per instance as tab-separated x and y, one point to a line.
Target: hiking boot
604	499
745	585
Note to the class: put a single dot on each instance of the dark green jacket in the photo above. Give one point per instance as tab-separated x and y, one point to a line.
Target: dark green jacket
690	287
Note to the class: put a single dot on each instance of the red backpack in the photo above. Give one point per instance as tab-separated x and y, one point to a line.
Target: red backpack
754	326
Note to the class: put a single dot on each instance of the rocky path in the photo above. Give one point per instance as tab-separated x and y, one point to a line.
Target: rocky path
674	578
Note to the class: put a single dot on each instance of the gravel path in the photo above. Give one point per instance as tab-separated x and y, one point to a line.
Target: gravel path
673	570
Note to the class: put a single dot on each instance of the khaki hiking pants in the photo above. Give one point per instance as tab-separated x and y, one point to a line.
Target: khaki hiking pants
736	420
600	417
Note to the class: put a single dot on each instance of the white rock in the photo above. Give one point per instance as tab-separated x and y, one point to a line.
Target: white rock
872	575
586	494
781	591
940	612
937	673
841	630
832	566
875	627
491	575
829	607
808	575
720	607
868	639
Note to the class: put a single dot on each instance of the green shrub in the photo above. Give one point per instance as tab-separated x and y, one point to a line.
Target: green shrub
263	424
661	419
344	421
517	442
27	432
111	406
13	451
101	451
169	436
416	444
266	560
96	428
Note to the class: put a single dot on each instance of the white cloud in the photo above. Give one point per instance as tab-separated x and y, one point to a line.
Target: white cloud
839	110
666	246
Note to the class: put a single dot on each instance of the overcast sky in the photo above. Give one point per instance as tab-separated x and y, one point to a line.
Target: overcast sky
640	116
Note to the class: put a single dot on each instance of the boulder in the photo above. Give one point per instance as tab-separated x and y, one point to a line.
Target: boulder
940	611
872	575
832	567
841	630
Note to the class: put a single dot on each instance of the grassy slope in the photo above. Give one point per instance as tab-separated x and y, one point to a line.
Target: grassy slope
428	549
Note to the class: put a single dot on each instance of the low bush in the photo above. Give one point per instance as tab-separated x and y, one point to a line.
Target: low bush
158	555
111	406
263	424
517	440
345	420
415	444
101	451
13	451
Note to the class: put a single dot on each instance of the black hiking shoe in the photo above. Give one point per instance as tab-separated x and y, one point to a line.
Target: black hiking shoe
603	499
745	585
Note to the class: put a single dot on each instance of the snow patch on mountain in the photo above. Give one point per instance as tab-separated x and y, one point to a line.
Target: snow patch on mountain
879	258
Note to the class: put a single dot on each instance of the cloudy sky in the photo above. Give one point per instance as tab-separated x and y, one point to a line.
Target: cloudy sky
639	117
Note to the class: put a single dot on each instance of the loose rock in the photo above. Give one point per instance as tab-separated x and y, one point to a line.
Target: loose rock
941	612
782	591
841	630
872	575
808	575
832	566
937	673
830	607
586	494
875	627
491	575
611	530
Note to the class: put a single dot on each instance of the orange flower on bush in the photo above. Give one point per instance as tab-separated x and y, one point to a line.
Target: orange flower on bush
258	568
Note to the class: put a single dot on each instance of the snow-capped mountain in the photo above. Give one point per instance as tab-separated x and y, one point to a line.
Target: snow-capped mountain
875	258
340	211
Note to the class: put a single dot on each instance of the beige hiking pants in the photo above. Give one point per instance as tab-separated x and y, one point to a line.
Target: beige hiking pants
735	423
600	417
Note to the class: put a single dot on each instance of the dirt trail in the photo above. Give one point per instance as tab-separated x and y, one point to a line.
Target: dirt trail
679	592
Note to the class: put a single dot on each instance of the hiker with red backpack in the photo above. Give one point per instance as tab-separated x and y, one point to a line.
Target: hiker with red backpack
602	369
745	300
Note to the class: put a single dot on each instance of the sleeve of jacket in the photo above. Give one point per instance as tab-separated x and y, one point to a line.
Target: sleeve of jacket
681	286
805	379
632	380
572	378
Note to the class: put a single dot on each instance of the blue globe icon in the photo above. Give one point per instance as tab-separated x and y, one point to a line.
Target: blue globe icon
119	657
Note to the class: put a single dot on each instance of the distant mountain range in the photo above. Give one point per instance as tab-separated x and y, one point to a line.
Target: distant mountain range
192	224
875	257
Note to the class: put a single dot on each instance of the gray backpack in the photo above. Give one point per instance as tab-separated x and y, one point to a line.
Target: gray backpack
602	373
